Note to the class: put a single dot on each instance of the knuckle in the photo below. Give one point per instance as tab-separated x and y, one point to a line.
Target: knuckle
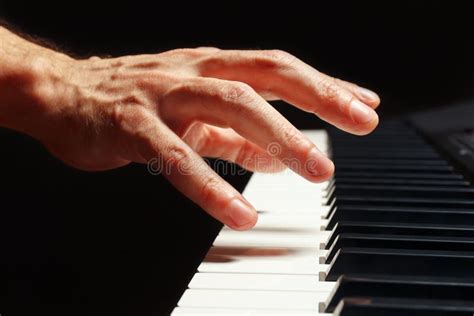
290	135
129	118
295	140
143	83
208	49
118	70
237	92
179	51
339	81
133	98
178	161
276	58
276	54
187	94
177	157
209	190
180	92
190	52
155	85
330	90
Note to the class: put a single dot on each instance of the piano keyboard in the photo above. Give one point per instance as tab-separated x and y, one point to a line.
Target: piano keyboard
391	234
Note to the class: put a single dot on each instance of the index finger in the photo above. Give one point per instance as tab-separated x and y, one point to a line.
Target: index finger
170	156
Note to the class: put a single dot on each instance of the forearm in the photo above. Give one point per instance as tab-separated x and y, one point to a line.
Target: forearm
26	70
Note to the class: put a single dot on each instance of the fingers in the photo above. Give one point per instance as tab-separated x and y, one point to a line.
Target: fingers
278	73
365	95
211	141
236	105
167	154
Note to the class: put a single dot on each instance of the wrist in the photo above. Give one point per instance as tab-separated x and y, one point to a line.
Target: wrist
30	84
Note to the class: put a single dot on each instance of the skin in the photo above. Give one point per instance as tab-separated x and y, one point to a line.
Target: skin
175	107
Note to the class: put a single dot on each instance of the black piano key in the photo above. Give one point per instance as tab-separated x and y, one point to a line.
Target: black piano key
367	150
398	175
379	306
361	227
398	242
330	190
343	190
341	167
399	182
360	153
389	161
373	138
400	262
400	131
381	145
398	287
330	186
405	201
397	127
415	142
400	215
341	141
331	182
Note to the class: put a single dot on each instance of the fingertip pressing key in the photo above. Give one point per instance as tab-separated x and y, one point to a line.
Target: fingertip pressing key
242	215
319	166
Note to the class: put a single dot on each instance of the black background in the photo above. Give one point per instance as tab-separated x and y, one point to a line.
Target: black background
125	241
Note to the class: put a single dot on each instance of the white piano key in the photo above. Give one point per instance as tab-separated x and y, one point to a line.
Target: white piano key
274	268
253	281
265	179
278	300
286	222
317	212
274	181
239	252
189	311
287	175
268	266
281	209
265	195
317	136
269	182
267	204
295	238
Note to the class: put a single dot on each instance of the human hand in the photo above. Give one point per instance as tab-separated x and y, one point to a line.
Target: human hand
177	106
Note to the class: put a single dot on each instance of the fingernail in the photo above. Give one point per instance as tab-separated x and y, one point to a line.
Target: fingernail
368	94
240	213
361	113
317	164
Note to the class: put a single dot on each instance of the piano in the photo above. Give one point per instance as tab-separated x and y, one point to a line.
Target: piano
391	234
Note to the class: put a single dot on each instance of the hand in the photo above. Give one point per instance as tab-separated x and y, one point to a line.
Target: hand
175	107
